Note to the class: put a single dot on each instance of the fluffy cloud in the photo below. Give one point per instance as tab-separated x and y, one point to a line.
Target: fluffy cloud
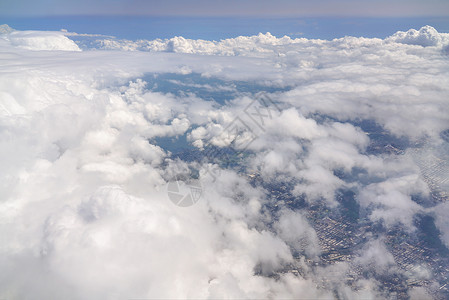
426	36
37	40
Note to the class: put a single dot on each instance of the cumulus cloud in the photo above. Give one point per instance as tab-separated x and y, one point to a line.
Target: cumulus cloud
294	228
441	212
37	40
426	36
84	179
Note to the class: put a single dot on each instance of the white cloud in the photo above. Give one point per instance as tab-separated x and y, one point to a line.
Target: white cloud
426	36
391	201
441	221
294	228
37	40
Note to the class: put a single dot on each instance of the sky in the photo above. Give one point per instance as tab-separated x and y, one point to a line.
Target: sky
345	8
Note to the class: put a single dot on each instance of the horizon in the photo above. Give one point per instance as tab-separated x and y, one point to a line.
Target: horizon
201	19
209	28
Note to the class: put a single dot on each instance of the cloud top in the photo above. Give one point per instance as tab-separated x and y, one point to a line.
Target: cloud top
37	40
426	36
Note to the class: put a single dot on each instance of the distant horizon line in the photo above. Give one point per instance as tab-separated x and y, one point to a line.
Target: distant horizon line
251	16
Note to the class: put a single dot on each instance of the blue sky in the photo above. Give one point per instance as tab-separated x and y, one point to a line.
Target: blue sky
382	8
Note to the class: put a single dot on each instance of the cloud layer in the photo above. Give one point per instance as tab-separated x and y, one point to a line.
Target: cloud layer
85	212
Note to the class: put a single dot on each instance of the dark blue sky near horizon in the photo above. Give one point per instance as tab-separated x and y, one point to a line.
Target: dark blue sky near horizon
150	27
219	19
